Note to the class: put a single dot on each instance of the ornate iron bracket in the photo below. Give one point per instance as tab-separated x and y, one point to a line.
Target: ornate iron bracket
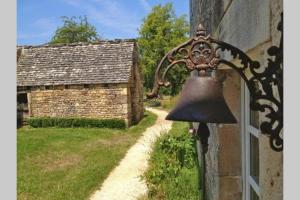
203	53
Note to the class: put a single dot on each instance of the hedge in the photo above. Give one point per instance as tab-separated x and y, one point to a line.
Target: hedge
76	122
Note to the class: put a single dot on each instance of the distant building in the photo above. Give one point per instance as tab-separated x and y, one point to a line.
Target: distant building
240	164
99	80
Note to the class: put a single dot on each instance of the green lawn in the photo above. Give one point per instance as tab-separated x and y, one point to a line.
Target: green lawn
173	172
70	163
166	103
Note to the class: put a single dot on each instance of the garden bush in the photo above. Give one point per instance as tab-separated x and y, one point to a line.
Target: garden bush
153	102
173	172
76	122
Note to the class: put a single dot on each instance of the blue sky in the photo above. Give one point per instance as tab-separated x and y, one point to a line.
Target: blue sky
37	20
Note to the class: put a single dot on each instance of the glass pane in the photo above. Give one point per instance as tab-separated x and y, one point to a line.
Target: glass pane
254	116
254	158
254	120
253	195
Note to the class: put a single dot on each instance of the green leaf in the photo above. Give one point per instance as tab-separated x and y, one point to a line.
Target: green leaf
75	31
161	31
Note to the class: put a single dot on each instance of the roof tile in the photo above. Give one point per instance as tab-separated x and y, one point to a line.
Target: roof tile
81	63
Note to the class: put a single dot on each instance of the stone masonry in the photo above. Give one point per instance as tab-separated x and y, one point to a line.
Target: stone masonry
97	101
251	26
99	80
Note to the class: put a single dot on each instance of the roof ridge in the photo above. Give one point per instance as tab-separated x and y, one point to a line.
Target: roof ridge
114	41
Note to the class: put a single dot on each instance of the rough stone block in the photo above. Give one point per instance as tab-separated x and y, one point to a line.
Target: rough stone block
230	151
230	188
246	23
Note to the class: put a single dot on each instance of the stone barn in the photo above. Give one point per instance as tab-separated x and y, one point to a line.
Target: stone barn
98	80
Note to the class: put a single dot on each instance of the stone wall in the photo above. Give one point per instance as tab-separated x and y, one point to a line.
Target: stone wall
251	26
212	181
94	101
229	155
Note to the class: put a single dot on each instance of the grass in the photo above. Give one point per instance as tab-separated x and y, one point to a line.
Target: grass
169	102
166	103
70	163
179	184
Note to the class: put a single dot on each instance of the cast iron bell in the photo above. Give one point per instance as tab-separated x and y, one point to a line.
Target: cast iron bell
202	100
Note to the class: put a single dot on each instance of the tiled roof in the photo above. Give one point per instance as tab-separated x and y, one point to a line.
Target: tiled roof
80	63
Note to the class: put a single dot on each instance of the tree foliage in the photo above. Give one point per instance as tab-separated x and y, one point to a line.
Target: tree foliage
161	31
75	31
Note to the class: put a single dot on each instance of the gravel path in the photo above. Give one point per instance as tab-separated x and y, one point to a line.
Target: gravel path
124	182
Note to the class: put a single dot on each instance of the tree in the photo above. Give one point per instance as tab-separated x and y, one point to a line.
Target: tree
73	31
161	31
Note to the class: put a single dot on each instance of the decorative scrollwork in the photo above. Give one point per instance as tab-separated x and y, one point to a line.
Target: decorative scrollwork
198	53
202	53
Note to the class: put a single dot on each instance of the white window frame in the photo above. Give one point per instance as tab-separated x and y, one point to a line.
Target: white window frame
246	130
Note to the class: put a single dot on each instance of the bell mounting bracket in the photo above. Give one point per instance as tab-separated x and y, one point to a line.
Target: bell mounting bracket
204	54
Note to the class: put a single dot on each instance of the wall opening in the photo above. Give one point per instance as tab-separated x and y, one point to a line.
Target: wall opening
22	108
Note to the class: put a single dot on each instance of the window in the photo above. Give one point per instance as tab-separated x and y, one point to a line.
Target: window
254	116
250	150
254	158
254	120
253	195
22	102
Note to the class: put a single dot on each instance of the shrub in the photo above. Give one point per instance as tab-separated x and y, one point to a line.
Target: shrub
153	102
76	122
173	165
173	153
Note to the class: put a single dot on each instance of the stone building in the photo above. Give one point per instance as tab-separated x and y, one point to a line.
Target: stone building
240	164
98	80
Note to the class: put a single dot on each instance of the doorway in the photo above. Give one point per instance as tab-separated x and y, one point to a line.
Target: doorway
22	108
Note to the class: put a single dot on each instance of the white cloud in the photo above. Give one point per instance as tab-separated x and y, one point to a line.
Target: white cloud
113	15
45	23
75	3
145	5
47	26
109	14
